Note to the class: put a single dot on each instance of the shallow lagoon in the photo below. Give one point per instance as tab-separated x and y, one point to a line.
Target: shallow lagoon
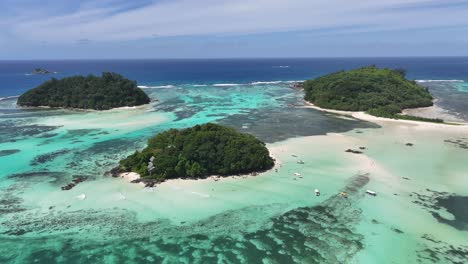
270	218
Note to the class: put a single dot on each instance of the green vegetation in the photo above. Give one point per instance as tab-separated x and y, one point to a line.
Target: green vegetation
199	151
111	90
380	92
418	118
393	111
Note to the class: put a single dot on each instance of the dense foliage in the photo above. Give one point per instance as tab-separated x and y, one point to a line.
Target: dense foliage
381	92
91	92
199	151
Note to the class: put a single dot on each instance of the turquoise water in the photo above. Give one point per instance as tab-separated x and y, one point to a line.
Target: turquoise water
271	218
54	146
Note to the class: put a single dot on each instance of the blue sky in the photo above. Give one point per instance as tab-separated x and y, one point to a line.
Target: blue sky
58	29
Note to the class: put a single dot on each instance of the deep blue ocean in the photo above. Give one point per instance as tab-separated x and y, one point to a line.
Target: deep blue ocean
15	77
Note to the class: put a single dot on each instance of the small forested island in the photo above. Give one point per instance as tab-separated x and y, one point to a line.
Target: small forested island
41	71
111	90
198	152
378	91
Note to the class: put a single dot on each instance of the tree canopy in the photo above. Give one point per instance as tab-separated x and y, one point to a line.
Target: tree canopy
381	92
111	90
199	151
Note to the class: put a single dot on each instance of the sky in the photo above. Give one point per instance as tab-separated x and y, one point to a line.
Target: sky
147	29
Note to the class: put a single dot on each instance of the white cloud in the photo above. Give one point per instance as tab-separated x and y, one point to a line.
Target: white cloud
201	17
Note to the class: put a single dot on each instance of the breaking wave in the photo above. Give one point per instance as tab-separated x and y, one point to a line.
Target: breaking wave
156	87
272	82
8	97
220	84
426	81
226	84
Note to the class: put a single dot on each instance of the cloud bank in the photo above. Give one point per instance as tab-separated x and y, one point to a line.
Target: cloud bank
118	20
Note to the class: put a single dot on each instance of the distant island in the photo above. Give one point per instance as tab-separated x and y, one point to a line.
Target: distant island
111	90
197	152
41	71
378	91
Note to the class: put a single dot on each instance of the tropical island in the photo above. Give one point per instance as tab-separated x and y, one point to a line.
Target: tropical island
41	71
378	91
198	152
111	90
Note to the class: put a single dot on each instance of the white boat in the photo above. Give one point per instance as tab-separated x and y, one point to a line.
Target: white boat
371	193
317	192
297	174
81	197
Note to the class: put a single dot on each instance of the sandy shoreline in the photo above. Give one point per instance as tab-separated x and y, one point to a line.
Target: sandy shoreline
90	110
382	121
274	153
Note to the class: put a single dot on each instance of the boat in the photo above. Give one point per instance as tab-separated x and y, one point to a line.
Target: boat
371	193
343	194
297	174
300	162
317	192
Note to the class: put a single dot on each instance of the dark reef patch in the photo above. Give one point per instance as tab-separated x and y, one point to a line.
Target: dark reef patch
47	135
12	131
9	202
459	142
396	230
179	108
454	204
38	176
116	145
187	113
273	124
317	234
7	152
458	207
78	133
44	158
438	251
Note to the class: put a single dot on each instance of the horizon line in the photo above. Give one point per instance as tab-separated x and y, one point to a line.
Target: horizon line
240	58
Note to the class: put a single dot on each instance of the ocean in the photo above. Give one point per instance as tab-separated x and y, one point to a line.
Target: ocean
15	79
417	217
